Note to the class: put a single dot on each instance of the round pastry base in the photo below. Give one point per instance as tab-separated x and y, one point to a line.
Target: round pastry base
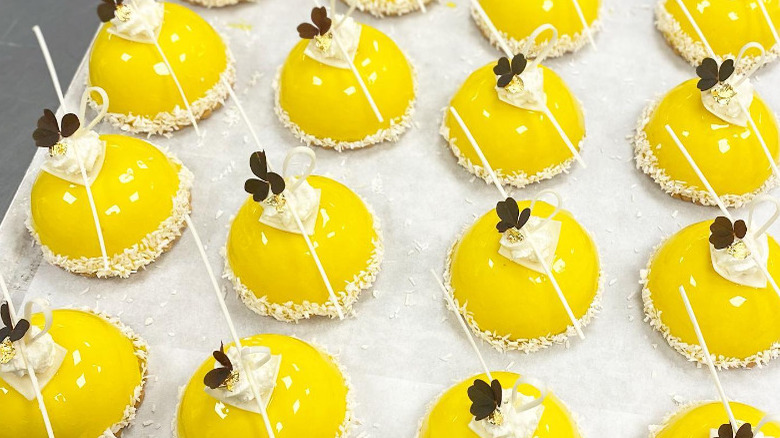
515	179
293	312
648	163
346	428
504	343
149	249
392	134
566	43
166	122
694	51
694	353
383	8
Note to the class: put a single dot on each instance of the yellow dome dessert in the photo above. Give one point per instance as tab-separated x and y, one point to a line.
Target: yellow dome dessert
274	272
449	415
739	322
697	420
311	397
727	24
142	195
321	101
521	145
381	8
150	101
730	156
493	291
560	13
97	387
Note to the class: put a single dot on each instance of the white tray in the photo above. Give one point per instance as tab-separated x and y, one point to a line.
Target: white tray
404	347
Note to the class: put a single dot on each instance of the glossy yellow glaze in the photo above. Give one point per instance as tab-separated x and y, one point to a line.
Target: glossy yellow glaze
327	102
734	331
133	194
450	416
92	388
697	421
514	139
730	156
728	24
128	70
502	294
560	13
310	398
277	264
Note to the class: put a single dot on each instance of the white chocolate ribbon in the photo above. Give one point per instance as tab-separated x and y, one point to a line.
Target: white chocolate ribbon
546	49
769	418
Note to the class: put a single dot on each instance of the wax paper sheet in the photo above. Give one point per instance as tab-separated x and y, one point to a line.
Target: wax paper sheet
404	347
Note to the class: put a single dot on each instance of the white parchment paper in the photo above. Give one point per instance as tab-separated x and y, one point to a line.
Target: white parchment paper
404	348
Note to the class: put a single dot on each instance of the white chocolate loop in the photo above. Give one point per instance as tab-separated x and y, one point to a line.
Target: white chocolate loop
83	108
43	305
767	419
545	51
557	206
756	65
763	199
532	404
286	167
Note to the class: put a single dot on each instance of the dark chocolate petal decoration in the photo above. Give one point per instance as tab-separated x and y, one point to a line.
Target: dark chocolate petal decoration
504	80
258	189
5	315
216	377
45	138
70	124
519	63
740	229
106	11
222	358
48	121
726	70
19	330
483	399
259	164
745	431
502	67
722	232
276	182
4	333
307	31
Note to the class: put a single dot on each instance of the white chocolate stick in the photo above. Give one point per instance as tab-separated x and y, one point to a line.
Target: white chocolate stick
585	26
697	29
708	358
723	209
233	333
496	34
451	302
297	218
30	371
153	37
55	80
575	322
769	22
352	67
421	3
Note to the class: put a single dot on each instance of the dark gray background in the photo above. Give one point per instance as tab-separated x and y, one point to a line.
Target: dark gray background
25	87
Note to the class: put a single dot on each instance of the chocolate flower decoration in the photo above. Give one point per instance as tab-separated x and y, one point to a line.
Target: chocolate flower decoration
506	71
711	75
224	376
723	233
321	26
485	399
726	431
510	215
108	9
10	331
48	134
268	181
